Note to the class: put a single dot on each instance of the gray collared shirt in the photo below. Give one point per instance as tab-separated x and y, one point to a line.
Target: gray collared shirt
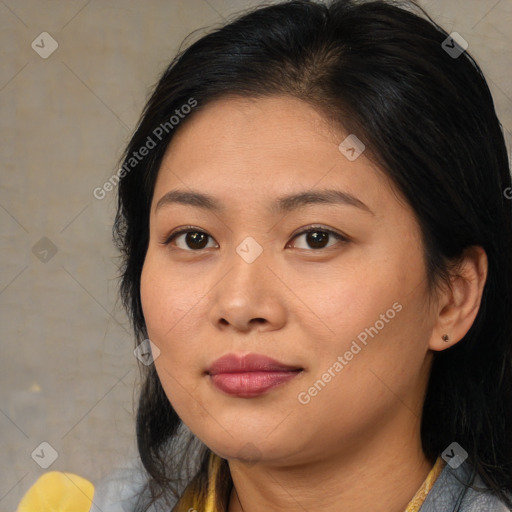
450	493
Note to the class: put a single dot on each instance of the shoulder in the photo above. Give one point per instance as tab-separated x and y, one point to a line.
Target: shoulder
122	489
479	497
451	492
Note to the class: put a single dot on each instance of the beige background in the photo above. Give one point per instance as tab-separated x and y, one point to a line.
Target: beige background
68	372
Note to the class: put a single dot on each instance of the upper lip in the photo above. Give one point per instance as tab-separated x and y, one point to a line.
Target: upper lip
235	363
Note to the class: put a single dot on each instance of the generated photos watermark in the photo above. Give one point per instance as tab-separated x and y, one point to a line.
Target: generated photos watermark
454	45
351	147
44	45
44	455
146	352
304	397
454	455
137	156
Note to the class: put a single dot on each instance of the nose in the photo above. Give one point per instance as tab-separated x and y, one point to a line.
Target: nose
249	296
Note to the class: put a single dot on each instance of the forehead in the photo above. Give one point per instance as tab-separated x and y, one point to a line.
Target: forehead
242	148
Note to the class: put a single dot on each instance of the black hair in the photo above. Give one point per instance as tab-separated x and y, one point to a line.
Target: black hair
382	71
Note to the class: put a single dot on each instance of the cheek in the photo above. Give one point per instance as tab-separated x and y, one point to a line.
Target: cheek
167	298
354	303
171	302
378	322
160	299
160	305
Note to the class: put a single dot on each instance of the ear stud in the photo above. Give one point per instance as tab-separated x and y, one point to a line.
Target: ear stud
445	337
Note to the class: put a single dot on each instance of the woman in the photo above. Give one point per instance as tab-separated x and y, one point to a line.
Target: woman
317	265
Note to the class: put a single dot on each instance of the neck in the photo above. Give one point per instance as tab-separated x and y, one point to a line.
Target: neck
381	475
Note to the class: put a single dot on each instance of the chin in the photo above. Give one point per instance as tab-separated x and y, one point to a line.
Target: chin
250	448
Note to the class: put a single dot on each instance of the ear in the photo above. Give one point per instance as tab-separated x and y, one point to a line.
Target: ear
458	305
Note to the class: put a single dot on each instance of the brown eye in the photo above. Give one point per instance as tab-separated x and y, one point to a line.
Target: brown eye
319	238
193	240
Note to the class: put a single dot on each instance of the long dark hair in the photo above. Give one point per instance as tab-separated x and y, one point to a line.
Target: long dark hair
427	118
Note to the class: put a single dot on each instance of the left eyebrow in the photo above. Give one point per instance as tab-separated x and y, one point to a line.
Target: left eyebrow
326	196
283	204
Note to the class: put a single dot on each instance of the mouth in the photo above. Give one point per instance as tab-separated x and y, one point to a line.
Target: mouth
249	375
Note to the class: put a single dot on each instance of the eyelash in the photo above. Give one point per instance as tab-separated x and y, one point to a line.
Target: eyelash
311	229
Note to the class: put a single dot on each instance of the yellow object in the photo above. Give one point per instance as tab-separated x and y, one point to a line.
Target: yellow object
58	492
194	501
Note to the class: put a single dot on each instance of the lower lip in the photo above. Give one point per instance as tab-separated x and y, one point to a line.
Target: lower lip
249	384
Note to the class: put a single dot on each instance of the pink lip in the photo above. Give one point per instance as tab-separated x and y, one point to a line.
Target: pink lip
249	375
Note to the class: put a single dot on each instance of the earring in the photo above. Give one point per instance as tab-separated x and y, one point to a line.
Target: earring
445	337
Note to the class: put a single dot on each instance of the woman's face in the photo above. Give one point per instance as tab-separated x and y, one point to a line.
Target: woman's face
350	313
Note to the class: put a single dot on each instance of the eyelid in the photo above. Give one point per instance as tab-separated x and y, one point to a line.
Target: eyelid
341	237
185	229
318	227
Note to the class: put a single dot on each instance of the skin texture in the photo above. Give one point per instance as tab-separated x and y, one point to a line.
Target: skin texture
301	305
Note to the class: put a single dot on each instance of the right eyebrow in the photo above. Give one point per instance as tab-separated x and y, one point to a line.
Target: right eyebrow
197	199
